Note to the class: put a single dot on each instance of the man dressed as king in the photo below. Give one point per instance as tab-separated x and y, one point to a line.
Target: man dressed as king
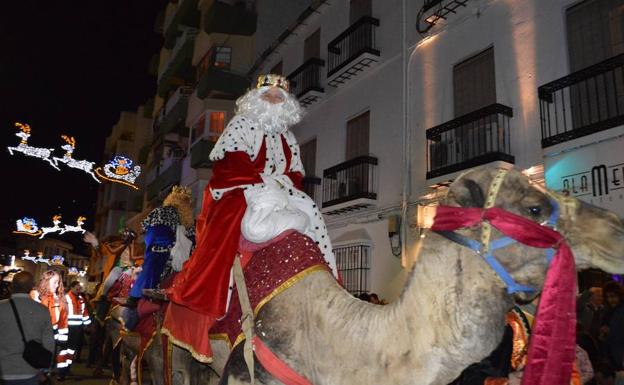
253	196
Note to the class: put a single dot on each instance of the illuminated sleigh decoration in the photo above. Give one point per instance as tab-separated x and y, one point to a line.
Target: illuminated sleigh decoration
120	170
27	226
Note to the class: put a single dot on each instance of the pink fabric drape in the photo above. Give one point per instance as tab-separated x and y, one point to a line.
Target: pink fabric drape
552	346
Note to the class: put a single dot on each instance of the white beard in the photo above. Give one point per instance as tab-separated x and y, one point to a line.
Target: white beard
273	118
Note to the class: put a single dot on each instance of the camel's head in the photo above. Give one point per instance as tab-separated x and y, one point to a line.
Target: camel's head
596	236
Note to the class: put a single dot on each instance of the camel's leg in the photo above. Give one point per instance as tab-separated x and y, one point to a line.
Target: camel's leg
153	356
236	372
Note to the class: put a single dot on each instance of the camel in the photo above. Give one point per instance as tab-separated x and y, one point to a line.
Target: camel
451	312
185	370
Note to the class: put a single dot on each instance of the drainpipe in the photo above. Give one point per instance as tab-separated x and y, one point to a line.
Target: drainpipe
406	177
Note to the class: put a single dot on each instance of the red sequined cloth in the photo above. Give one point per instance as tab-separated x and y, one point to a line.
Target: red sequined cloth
271	271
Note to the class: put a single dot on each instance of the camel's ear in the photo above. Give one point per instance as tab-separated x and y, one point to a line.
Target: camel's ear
467	193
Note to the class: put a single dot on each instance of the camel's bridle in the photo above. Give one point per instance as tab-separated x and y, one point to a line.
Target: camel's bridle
485	246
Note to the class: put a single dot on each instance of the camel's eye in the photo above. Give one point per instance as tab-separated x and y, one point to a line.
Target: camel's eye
535	210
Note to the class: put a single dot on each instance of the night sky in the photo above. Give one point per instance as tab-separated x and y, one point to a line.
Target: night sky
68	67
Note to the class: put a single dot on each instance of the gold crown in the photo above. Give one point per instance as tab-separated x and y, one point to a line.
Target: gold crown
182	190
274	81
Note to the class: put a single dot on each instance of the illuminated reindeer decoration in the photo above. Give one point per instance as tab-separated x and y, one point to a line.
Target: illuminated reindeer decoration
56	220
77	229
83	165
28	257
40	259
28	150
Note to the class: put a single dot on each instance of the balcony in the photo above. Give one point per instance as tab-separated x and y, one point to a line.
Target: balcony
200	154
312	187
162	182
172	116
305	81
477	138
230	19
352	52
217	80
433	11
350	186
179	69
583	103
187	14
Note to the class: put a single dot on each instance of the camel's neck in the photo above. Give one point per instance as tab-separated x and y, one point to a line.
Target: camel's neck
450	315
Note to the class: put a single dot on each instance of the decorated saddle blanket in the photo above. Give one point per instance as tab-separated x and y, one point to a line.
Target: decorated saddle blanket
270	271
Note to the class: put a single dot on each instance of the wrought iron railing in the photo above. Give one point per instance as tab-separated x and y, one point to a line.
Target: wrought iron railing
359	38
312	187
353	263
353	179
473	139
582	103
307	77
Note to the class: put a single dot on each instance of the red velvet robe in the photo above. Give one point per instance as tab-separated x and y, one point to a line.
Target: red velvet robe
202	285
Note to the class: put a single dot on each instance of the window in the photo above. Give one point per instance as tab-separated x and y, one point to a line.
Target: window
595	30
357	136
474	87
217	125
353	262
359	9
308	157
312	46
216	57
223	57
474	83
210	125
277	69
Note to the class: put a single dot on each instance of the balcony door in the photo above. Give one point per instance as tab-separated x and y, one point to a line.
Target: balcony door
474	87
312	46
358	134
595	32
358	9
308	157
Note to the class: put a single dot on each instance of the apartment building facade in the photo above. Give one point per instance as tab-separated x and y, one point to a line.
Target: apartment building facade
537	85
201	70
345	63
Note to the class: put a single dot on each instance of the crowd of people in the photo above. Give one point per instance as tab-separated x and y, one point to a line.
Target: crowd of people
51	316
599	343
600	329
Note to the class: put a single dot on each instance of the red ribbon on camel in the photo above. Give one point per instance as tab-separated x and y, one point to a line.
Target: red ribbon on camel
552	346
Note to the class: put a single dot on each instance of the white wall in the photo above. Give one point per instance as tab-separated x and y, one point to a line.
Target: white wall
378	90
529	50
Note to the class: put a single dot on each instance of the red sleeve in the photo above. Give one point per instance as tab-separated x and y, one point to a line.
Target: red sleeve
297	178
235	169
